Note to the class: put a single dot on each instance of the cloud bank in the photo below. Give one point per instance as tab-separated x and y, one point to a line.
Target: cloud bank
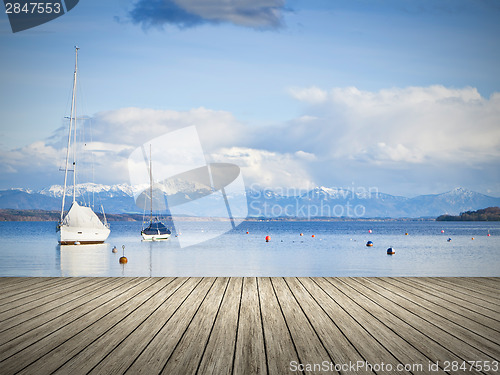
430	136
405	141
412	125
258	14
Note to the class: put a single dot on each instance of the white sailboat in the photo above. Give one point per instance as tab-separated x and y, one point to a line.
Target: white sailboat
156	230
80	225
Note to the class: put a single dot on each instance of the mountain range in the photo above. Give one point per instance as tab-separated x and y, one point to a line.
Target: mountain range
317	202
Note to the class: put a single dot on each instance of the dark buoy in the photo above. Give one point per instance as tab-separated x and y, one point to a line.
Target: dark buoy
449	240
123	259
369	243
114	249
390	251
406	233
268	238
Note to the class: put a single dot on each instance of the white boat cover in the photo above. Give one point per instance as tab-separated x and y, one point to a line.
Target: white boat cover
82	217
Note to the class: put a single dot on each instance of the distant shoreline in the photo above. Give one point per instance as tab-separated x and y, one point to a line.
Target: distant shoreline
8	214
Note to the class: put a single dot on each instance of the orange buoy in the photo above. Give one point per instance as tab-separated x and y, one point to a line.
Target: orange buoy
472	237
303	234
268	238
406	233
123	258
247	232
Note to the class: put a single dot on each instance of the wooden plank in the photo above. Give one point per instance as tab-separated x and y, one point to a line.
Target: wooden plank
484	325
467	330
493	281
478	285
54	359
188	353
449	334
397	351
339	348
250	356
219	352
23	285
34	329
280	350
30	291
243	325
153	358
97	348
25	357
123	355
39	297
371	350
420	336
461	291
362	308
470	304
309	347
45	303
9	283
472	286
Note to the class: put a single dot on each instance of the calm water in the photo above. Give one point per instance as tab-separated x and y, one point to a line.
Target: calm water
338	249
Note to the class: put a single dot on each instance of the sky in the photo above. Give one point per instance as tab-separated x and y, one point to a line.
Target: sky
402	96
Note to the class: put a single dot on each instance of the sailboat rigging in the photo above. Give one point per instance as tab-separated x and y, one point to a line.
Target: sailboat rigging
80	225
156	230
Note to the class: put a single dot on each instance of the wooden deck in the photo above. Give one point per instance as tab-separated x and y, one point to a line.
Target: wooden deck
249	325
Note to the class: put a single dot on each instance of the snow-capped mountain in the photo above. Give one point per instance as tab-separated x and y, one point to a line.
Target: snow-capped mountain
318	202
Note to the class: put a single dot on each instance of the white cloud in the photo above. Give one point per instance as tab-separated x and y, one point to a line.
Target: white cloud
396	139
313	95
134	126
414	124
305	155
267	168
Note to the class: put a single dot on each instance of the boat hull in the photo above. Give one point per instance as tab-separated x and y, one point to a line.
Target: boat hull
71	236
155	237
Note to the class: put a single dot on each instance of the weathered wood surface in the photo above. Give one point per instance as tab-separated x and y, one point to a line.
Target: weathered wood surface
249	325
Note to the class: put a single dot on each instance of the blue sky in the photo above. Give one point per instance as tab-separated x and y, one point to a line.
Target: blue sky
400	95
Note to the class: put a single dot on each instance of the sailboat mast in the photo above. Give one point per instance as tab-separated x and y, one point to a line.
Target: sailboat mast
73	119
150	185
69	140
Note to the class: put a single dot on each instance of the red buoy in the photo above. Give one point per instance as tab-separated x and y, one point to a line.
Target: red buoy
369	231
268	238
313	235
247	232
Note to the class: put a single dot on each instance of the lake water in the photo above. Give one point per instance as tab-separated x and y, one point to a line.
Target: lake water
337	249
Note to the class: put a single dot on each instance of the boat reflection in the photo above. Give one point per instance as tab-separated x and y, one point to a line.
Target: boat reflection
84	260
